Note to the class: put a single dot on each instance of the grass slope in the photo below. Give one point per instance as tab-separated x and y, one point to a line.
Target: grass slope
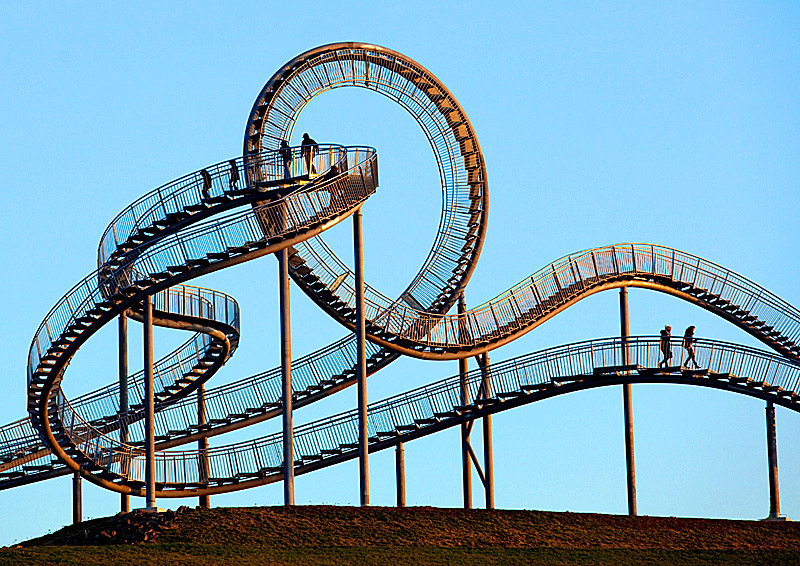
419	536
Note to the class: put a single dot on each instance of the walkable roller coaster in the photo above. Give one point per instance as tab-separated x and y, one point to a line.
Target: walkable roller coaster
269	202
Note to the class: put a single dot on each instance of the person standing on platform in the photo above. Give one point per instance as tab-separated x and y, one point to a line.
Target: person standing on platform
308	148
666	347
286	155
688	345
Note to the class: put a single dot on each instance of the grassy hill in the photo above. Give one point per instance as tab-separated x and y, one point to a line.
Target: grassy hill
418	536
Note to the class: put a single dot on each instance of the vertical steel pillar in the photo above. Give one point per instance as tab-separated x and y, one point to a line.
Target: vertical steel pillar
77	514
149	417
125	504
202	445
488	458
361	356
286	377
772	460
627	402
400	472
466	463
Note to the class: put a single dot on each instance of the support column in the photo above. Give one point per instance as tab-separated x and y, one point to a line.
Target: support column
286	378
627	402
125	504
488	458
202	445
400	472
772	460
361	357
77	514
149	418
466	463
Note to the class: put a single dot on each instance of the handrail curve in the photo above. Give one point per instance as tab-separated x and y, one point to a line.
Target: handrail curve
562	283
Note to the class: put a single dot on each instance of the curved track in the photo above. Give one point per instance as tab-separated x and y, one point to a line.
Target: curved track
248	207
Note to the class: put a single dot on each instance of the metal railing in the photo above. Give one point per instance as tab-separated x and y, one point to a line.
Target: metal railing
460	163
321	201
438	402
570	277
219	179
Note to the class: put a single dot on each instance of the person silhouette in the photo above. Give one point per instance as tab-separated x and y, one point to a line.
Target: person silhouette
688	345
206	183
308	148
666	348
233	175
286	155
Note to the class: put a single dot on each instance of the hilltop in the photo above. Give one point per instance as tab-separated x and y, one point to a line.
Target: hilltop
307	535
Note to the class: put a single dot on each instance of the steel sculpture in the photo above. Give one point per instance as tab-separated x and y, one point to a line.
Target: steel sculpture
249	207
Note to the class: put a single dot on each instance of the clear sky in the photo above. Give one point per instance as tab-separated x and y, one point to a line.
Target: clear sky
676	124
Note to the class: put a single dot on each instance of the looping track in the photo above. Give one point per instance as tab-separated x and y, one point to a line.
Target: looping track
248	207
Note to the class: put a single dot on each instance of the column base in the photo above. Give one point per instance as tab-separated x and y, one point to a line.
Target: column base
152	509
776	518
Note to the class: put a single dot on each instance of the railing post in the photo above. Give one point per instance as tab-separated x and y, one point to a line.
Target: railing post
400	472
77	514
202	445
149	428
286	378
125	504
488	458
361	360
772	460
627	403
466	464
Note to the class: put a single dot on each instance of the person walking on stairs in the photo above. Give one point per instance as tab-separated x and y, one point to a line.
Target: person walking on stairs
688	345
666	348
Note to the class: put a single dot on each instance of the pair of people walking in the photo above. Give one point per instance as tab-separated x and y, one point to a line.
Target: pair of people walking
688	345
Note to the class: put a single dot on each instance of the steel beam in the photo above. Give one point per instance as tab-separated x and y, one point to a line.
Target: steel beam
488	457
466	464
77	514
627	402
361	360
124	503
772	460
202	445
286	379
400	473
149	419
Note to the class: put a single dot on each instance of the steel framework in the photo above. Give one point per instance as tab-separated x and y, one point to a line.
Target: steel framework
255	205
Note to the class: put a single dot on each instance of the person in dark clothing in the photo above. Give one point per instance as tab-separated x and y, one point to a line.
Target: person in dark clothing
286	155
332	172
688	345
666	348
308	148
233	175
206	183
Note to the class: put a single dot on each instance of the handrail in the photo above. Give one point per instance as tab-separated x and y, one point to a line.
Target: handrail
525	304
438	405
223	177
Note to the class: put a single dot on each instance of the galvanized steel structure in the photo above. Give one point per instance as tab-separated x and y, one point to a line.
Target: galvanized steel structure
263	203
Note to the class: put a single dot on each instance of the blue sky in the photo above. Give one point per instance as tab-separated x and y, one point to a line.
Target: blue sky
671	124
